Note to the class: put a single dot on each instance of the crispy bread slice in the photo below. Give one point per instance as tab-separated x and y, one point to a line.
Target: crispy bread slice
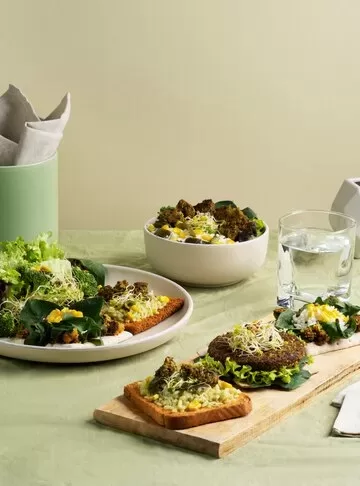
168	310
184	420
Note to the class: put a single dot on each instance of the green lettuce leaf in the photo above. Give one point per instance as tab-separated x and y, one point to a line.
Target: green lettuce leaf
18	254
286	378
42	249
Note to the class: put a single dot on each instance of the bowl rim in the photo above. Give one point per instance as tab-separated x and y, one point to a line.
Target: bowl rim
226	245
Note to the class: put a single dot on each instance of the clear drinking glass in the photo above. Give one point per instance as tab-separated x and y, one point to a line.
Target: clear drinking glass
315	256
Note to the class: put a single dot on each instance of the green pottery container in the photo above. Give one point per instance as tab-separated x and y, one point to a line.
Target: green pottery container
29	200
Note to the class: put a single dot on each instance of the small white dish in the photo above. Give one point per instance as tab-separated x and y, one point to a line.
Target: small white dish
152	338
205	265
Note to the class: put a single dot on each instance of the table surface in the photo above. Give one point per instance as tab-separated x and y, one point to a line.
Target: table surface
48	437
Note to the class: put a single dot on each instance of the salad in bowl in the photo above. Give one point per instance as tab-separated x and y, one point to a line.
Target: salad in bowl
207	222
207	245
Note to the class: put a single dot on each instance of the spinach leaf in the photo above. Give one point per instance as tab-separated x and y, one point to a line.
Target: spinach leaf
89	307
39	334
221	204
334	331
350	309
320	301
249	213
296	380
34	311
85	326
285	320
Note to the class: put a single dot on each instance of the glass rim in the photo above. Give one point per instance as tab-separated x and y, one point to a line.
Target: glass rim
318	211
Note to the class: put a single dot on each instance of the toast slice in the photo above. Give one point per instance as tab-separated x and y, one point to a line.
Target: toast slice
183	420
168	310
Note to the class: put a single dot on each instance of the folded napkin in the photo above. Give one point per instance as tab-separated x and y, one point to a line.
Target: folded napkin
338	400
347	423
25	138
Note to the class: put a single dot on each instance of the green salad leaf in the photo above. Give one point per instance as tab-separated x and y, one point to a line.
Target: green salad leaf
41	332
334	331
34	311
260	226
89	307
287	378
285	320
221	204
249	213
42	249
19	254
86	327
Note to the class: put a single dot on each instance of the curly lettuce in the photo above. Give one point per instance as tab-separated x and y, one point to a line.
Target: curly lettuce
18	254
287	378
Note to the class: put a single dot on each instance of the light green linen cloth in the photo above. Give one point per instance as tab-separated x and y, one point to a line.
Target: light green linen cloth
48	438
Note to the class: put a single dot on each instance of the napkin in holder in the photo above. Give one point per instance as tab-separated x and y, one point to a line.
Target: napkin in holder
29	166
25	138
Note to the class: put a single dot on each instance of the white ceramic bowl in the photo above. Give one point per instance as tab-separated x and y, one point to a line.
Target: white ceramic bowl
205	265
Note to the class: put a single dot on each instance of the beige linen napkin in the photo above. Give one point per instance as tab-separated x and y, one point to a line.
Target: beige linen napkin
25	138
347	423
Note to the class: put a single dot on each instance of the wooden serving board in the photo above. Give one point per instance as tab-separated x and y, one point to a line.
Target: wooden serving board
221	438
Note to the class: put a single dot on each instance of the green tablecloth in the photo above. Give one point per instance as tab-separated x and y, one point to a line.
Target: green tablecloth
47	436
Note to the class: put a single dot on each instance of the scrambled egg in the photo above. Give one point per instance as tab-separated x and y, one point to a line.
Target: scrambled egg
41	268
325	313
202	226
314	313
140	311
58	315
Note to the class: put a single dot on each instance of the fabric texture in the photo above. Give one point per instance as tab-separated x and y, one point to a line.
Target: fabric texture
48	436
25	138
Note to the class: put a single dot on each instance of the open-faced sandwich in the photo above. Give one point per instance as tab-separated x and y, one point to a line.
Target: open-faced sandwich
207	223
256	354
179	396
136	306
49	300
325	325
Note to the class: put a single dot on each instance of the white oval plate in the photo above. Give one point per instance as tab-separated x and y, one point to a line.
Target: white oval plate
156	336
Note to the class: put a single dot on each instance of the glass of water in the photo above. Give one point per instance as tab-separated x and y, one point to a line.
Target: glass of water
315	256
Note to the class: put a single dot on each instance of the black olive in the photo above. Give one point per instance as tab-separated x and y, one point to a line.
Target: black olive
163	233
158	223
193	240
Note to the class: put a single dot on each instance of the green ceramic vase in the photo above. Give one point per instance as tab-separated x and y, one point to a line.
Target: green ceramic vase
29	200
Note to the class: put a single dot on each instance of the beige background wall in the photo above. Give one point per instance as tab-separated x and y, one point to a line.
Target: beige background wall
255	101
